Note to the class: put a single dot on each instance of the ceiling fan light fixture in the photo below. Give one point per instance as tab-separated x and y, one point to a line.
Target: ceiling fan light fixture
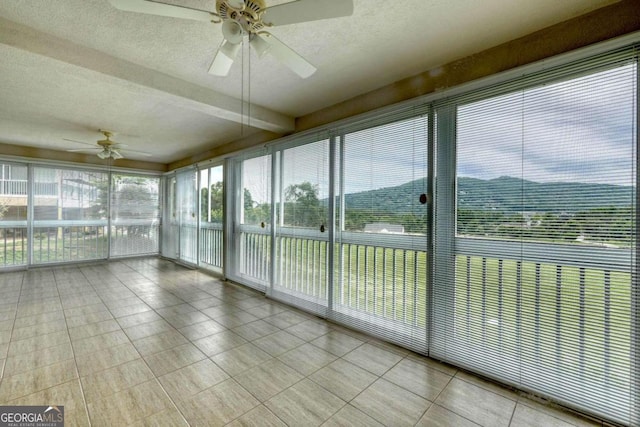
104	154
232	31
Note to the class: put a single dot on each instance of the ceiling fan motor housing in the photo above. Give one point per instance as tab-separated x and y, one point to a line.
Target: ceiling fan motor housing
249	16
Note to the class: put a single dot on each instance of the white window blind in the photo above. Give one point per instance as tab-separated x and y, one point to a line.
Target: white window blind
252	230
302	227
211	216
380	284
70	214
540	291
13	215
135	214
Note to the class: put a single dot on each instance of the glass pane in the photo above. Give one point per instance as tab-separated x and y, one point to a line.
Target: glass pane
211	216
303	226
70	215
135	214
13	215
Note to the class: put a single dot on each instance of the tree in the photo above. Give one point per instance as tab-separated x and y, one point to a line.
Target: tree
302	207
217	202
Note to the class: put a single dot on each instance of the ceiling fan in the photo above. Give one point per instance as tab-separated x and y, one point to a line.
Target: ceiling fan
242	19
106	148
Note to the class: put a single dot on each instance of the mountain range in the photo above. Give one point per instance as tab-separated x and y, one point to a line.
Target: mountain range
504	194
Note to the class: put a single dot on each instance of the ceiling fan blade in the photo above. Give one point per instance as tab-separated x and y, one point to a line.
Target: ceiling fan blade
224	58
141	153
152	7
115	155
83	150
288	56
307	10
79	142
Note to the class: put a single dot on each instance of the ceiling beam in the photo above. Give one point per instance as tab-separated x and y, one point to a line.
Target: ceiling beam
181	93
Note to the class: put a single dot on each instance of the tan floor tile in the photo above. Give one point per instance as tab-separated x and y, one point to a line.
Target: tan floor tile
99	342
192	379
390	404
35	308
259	416
4	349
186	319
38	343
26	362
373	359
220	342
476	404
236	319
337	343
6	325
148	329
558	412
229	398
38	319
173	359
166	418
160	342
206	303
305	403
105	383
418	378
343	379
287	319
309	330
307	358
39	330
85	319
5	336
202	329
525	416
138	319
129	310
437	416
79	301
267	310
268	379
240	359
105	359
254	330
350	416
93	329
128	406
68	394
123	302
179	308
85	310
23	384
278	343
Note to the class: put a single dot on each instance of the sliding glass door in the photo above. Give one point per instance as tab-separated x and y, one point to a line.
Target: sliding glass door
186	216
211	217
14	198
70	215
537	285
380	282
250	247
303	222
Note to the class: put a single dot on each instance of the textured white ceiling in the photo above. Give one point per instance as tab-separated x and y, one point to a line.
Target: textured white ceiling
70	67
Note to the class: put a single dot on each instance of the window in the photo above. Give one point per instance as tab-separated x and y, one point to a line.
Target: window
545	238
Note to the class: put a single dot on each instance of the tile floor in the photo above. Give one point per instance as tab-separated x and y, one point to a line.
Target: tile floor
145	342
